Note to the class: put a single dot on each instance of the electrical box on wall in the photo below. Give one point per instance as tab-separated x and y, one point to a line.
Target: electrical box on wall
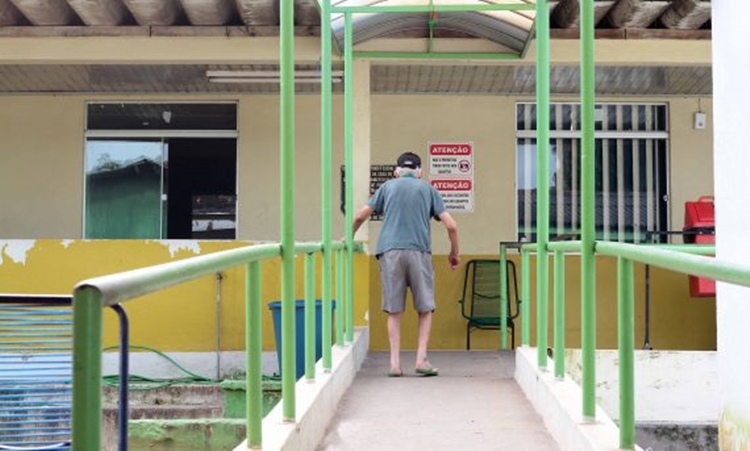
699	121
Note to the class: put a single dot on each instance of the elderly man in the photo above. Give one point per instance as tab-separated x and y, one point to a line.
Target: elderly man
407	204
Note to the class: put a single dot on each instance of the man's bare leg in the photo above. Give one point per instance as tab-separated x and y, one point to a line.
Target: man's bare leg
394	337
425	324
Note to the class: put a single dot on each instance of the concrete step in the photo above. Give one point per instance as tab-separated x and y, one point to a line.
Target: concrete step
167	412
178	394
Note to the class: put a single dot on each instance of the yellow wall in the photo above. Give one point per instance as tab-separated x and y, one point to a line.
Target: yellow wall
677	321
41	191
181	318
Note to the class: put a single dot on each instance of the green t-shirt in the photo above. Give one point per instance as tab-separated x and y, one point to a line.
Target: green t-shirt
407	204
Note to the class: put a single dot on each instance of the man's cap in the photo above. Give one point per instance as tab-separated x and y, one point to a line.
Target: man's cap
409	160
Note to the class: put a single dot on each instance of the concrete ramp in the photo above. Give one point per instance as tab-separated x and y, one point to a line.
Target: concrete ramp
474	404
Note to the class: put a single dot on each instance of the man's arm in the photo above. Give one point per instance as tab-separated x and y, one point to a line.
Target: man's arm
450	225
360	217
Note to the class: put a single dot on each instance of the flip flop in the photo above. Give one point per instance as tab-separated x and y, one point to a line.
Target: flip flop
394	373
427	371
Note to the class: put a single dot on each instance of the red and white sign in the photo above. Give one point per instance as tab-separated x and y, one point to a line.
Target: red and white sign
458	194
452	174
451	159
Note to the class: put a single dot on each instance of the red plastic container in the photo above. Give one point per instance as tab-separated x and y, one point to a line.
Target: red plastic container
700	219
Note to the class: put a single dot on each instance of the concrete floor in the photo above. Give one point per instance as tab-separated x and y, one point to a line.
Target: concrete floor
474	404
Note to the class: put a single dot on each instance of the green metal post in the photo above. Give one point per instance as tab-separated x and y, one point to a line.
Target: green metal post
525	299
288	371
588	231
254	350
326	162
349	163
559	314
431	26
490	56
340	296
542	158
310	316
87	369
503	297
626	346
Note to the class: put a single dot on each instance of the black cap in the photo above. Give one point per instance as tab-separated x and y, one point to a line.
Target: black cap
409	160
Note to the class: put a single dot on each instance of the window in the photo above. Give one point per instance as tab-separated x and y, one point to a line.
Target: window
161	171
630	171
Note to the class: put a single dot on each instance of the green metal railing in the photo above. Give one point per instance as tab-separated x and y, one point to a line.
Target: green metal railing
687	259
92	295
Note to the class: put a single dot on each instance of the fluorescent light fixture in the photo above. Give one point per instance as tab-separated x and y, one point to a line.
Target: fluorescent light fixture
263	76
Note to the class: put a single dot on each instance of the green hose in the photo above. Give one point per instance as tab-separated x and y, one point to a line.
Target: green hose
138	382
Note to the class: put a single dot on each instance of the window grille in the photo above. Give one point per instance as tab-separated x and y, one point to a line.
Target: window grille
631	142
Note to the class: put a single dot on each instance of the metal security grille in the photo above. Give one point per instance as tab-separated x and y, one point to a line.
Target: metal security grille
631	158
35	375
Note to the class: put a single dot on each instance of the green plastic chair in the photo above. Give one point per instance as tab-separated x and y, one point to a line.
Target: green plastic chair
480	298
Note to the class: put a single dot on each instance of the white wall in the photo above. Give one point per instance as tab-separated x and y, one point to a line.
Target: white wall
731	163
671	387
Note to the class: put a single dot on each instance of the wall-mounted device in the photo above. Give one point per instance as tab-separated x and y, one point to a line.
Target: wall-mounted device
699	120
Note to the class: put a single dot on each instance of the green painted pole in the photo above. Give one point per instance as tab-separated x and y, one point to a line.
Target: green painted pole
254	350
326	163
503	297
588	231
431	26
437	55
377	9
559	314
87	369
349	163
525	299
542	193
340	296
626	346
310	316
288	371
696	265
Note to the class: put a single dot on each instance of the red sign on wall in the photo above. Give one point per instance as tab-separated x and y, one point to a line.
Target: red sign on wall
457	194
451	159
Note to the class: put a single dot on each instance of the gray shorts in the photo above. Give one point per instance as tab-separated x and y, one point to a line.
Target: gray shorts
401	268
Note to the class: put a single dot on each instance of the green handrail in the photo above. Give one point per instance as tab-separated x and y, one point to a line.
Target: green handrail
340	295
375	8
310	316
525	298
287	156
542	158
588	232
254	350
626	351
326	164
685	258
349	171
92	295
558	314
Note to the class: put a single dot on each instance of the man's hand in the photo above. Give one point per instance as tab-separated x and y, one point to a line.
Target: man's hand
454	261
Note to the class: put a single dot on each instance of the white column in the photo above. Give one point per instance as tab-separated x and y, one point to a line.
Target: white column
361	140
731	66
